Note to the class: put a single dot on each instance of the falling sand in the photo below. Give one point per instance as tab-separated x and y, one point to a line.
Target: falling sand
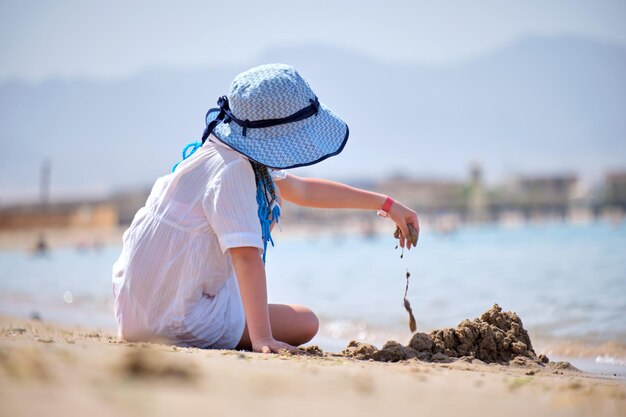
407	305
414	236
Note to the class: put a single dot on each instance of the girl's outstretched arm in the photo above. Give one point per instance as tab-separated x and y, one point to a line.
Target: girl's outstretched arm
250	273
316	192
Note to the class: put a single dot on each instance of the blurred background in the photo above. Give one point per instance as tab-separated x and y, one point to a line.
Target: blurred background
502	123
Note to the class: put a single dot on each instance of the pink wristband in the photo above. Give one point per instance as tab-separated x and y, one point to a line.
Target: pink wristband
384	212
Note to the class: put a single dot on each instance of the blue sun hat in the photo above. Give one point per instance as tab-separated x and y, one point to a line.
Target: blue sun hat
272	116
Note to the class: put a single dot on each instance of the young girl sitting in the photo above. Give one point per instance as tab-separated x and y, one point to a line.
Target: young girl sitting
191	271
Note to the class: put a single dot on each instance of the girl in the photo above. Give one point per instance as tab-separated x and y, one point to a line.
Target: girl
191	271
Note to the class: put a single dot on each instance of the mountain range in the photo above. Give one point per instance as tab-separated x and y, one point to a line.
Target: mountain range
536	106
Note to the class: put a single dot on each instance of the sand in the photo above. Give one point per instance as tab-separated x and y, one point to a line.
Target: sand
49	370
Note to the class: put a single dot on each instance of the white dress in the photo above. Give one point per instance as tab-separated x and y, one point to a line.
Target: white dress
174	280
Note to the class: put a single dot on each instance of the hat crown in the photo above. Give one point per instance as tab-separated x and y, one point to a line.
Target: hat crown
269	91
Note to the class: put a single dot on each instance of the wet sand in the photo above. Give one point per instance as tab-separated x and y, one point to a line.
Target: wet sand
47	369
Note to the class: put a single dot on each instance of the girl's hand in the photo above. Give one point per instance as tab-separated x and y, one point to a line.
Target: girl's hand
402	216
271	345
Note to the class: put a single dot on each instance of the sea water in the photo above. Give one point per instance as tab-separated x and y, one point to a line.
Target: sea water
565	282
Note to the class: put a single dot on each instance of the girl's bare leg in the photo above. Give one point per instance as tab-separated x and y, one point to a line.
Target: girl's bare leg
290	323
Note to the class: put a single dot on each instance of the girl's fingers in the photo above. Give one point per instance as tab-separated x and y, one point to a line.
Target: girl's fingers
416	224
288	347
414	230
403	217
406	236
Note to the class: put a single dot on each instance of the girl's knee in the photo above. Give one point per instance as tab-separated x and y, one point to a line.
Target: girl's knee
310	324
293	324
314	324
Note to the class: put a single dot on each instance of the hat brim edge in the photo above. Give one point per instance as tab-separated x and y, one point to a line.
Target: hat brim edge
318	160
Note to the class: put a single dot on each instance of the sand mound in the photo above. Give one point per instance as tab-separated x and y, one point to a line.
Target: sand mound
495	337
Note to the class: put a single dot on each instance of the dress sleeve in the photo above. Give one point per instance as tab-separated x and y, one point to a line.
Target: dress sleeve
231	208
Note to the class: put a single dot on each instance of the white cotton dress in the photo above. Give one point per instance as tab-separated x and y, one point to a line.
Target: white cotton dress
174	280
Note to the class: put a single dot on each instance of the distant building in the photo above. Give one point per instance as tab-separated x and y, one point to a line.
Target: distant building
477	203
64	215
615	190
543	195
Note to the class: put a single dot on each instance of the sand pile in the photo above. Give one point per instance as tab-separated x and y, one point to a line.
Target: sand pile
495	337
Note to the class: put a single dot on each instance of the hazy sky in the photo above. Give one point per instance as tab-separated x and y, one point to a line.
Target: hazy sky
40	39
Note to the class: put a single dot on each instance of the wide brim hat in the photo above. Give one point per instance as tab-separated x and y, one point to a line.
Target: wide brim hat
272	116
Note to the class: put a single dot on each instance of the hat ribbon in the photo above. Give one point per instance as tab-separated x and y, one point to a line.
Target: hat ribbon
226	116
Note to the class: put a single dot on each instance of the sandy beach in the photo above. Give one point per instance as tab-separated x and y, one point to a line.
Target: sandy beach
48	369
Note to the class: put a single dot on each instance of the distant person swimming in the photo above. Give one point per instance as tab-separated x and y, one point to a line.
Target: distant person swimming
192	267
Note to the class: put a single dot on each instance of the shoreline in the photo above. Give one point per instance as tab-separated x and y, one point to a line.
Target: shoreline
72	370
